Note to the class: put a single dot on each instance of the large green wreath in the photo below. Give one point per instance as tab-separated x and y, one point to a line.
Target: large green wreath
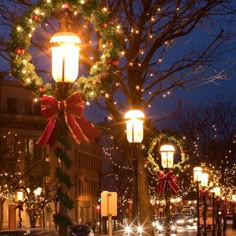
103	71
157	139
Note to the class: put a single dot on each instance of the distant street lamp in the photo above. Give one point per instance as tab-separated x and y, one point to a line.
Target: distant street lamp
218	201
197	172
215	192
134	131
167	161
20	199
234	211
167	156
204	184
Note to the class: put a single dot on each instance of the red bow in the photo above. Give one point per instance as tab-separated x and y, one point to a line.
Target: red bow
19	206
204	193
80	128
167	179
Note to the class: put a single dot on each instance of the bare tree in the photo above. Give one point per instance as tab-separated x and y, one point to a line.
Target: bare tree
210	131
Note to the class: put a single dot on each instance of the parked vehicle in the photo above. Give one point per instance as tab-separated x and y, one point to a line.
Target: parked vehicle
180	219
19	232
190	219
31	231
81	230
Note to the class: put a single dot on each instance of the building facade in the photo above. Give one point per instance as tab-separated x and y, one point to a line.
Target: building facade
26	164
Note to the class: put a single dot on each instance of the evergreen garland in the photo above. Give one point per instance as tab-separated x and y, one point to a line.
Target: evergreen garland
157	139
102	73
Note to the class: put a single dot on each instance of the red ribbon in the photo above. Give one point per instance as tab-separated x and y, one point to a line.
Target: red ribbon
72	107
167	179
19	206
205	193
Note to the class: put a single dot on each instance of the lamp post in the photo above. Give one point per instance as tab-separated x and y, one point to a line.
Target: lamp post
134	131
234	211
213	210
204	184
20	198
65	67
197	172
167	160
217	202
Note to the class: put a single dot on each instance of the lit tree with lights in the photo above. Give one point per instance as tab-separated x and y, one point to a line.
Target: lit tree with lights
210	131
159	54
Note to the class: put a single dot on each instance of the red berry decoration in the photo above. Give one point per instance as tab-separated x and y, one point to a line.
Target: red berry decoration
104	25
115	63
41	89
35	17
66	5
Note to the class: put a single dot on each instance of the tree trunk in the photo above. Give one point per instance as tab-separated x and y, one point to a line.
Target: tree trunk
145	208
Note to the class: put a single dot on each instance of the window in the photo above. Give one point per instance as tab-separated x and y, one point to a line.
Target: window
28	107
11	105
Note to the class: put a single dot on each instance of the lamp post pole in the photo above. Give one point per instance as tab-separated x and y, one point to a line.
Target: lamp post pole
134	131
204	214
204	183
198	218
65	66
167	161
135	184
213	213
197	173
20	196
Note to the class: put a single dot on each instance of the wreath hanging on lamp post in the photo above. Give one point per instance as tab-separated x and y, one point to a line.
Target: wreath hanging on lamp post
102	72
100	77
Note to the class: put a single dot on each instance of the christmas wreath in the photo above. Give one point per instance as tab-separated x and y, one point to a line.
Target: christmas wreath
102	72
157	139
101	75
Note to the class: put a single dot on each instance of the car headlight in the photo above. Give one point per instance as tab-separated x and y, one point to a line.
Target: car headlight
180	221
128	230
140	229
173	227
160	227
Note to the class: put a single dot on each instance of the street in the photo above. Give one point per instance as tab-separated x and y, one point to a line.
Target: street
188	231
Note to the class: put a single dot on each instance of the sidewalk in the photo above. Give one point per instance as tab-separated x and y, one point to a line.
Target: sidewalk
230	232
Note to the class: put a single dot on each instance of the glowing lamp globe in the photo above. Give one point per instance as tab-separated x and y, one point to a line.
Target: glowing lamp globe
204	179
65	57
134	126
167	155
20	196
197	172
37	191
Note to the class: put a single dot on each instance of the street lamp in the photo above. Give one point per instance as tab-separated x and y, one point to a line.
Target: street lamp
197	172
167	156
20	198
213	192
234	211
167	161
204	184
65	60
65	67
134	132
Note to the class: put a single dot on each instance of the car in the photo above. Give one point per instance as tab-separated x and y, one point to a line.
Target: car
180	219
18	232
190	219
81	230
160	227
30	231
